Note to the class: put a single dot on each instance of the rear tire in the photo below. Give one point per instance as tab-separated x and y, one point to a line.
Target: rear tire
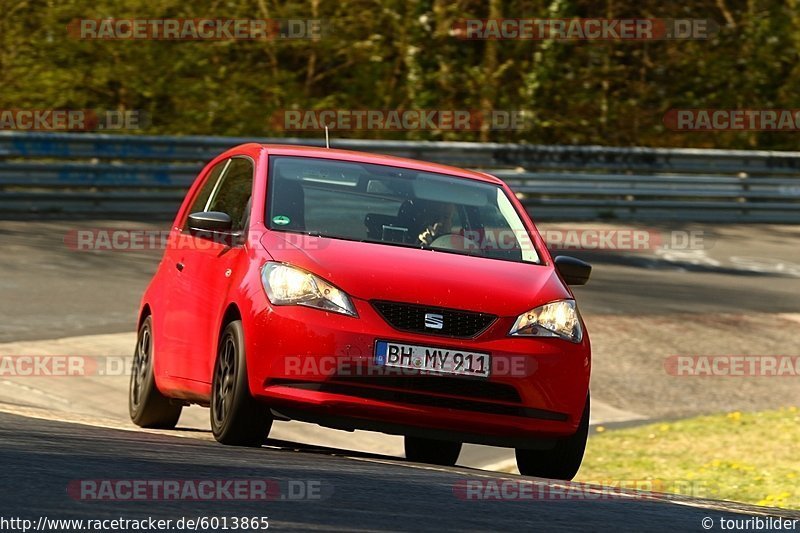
148	408
432	451
237	419
561	461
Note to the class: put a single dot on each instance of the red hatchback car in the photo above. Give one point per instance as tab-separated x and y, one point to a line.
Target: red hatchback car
359	291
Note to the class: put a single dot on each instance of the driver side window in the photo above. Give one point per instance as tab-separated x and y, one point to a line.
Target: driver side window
232	196
201	200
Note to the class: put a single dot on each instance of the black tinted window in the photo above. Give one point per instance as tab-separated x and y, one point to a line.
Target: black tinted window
396	206
233	194
200	201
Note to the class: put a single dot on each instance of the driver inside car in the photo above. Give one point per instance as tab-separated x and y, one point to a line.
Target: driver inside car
435	219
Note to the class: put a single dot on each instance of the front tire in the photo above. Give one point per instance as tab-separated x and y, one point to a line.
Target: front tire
432	451
237	419
148	408
561	461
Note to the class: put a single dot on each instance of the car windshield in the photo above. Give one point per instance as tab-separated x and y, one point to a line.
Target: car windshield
395	206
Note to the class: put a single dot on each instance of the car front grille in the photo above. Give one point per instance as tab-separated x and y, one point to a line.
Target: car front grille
454	323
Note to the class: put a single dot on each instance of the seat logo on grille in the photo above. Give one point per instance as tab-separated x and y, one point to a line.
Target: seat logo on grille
434	321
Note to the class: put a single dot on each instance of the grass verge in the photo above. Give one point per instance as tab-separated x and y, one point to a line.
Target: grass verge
744	457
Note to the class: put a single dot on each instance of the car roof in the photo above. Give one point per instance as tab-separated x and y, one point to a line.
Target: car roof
377	159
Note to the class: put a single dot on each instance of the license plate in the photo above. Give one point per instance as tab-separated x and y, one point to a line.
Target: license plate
429	359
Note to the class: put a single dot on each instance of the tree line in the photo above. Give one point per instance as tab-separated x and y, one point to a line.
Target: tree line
408	55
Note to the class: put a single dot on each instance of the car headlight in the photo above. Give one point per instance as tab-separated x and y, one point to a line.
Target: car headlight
288	285
556	319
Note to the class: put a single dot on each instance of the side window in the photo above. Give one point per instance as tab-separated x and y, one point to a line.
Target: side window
233	194
199	203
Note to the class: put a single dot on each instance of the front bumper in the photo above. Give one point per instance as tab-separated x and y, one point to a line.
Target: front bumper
317	366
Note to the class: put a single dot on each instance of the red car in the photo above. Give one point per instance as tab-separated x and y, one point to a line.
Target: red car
360	291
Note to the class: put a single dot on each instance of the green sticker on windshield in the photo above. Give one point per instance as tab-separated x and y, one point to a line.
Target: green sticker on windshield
281	220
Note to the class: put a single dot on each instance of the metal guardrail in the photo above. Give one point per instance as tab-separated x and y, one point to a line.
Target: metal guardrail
64	174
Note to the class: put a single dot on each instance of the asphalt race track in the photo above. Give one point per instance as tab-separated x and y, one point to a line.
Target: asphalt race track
40	459
742	288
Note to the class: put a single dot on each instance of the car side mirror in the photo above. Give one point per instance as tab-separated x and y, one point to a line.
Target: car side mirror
214	221
573	270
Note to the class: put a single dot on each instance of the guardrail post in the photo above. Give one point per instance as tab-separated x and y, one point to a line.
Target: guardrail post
745	186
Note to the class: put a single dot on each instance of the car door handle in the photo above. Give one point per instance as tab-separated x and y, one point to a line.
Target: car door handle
179	266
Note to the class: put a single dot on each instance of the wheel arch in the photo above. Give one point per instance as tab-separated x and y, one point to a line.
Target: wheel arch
231	313
143	314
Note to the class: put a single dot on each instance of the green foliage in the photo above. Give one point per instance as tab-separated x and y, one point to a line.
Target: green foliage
402	54
743	457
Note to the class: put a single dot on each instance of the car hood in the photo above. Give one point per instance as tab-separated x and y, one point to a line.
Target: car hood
372	271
